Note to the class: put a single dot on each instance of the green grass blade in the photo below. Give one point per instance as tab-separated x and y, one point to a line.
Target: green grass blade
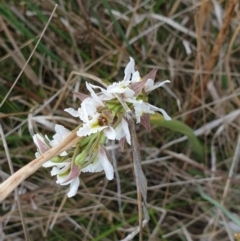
178	126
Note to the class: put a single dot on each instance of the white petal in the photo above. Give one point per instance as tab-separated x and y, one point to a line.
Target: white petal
55	171
51	164
118	87
83	111
61	130
87	130
83	131
73	187
110	133
88	109
107	166
104	91
162	111
61	133
72	112
96	166
122	131
136	77
61	180
93	94
90	106
48	164
129	93
140	109
64	153
150	86
129	69
126	131
119	132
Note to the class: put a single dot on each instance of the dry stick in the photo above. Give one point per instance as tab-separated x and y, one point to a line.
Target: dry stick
136	161
29	56
141	181
213	56
18	177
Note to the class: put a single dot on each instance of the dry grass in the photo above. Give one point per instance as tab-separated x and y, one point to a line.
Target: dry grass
187	199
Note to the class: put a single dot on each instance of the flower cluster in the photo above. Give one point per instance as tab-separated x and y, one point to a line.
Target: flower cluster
103	118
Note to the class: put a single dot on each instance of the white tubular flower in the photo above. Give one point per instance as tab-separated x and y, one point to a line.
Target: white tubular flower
95	125
101	163
122	131
68	174
73	187
89	105
42	146
87	110
141	108
61	133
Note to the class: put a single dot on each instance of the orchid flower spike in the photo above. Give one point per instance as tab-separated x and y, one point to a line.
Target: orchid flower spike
102	117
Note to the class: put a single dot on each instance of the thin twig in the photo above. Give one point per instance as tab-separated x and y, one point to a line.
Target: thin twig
136	162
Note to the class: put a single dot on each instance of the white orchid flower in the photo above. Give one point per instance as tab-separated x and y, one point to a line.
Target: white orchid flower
94	126
88	107
68	174
61	133
41	144
122	131
101	163
141	108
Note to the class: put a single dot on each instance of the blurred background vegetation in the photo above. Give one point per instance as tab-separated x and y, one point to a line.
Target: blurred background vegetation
193	43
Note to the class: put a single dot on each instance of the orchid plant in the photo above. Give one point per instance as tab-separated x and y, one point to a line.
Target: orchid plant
103	117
